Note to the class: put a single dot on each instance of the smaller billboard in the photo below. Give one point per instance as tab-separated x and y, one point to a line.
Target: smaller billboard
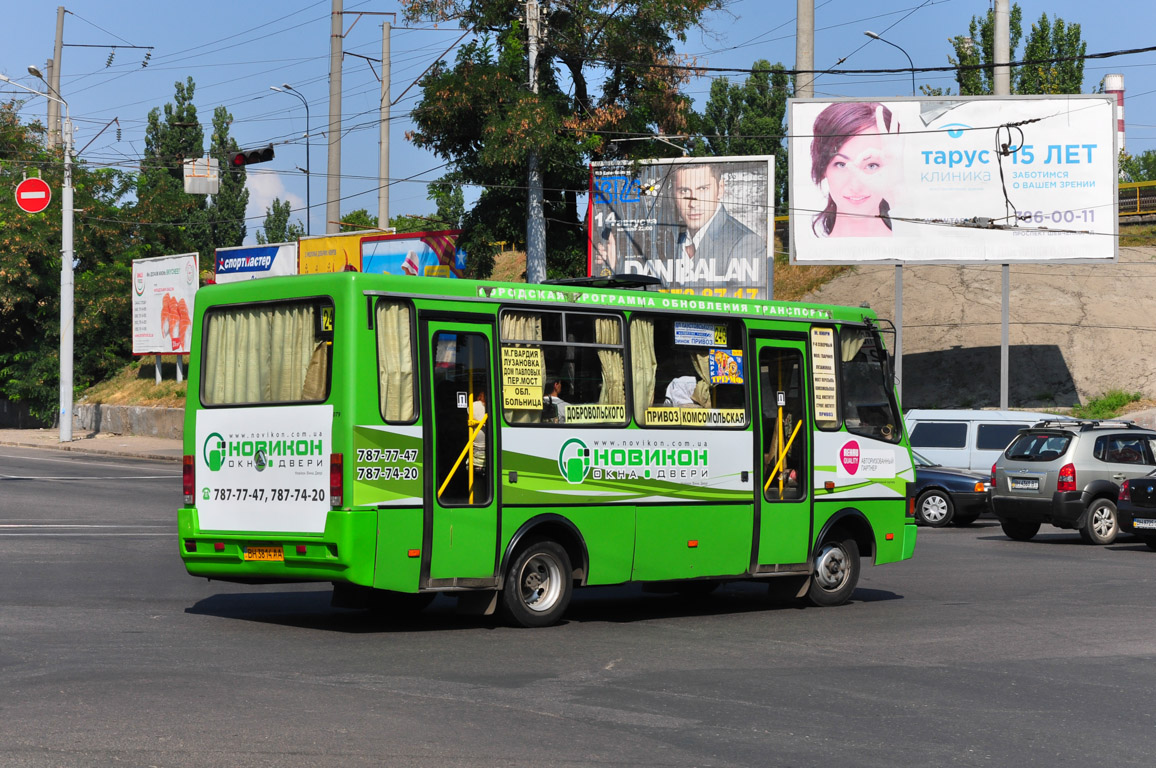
700	225
431	254
250	261
163	289
330	253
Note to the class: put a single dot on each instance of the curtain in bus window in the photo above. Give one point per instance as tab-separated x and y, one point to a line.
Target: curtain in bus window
606	331
259	355
525	327
643	365
851	343
314	388
394	362
703	389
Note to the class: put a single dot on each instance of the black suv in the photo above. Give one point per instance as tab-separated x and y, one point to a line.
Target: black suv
1068	474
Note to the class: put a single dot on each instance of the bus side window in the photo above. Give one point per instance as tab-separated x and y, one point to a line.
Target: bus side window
393	321
683	366
562	368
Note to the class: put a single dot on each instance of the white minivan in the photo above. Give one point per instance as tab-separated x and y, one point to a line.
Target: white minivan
967	439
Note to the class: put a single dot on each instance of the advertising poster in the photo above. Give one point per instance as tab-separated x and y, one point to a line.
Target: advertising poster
953	180
330	253
249	261
162	304
264	469
700	225
431	254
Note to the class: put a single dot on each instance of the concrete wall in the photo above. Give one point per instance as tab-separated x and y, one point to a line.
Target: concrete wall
129	420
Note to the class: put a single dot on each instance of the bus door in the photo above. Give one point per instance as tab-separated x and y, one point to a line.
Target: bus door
785	458
461	520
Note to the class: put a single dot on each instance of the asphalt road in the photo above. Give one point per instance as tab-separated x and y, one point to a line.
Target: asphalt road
980	651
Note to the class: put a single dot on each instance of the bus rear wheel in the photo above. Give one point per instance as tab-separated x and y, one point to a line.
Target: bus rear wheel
836	572
539	584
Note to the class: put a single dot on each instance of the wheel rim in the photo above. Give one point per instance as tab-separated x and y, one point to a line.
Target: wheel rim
934	509
831	567
1103	521
540	582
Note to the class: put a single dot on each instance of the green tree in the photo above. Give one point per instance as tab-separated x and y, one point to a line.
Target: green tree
978	47
223	221
1141	167
277	228
360	219
748	119
30	262
175	222
480	116
1052	40
169	219
1047	40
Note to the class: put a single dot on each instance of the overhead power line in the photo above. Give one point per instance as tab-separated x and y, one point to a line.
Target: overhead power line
892	71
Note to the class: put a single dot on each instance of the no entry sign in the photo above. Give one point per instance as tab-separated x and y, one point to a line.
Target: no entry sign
33	195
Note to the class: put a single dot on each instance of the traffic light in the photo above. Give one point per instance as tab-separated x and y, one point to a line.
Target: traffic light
249	156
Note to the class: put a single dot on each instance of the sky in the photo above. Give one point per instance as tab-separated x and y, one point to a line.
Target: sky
234	56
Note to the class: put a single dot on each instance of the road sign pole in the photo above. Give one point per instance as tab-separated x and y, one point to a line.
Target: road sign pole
66	288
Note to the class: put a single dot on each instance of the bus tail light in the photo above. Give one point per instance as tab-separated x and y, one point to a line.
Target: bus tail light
336	497
1125	492
188	479
1067	478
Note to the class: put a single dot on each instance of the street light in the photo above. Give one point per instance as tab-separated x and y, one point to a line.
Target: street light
874	36
286	88
66	257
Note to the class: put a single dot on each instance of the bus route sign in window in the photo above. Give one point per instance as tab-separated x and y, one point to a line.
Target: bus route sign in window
562	368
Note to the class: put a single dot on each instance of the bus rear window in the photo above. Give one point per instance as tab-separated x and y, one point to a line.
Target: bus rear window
277	352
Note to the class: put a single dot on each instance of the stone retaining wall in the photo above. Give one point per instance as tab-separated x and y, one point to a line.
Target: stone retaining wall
129	420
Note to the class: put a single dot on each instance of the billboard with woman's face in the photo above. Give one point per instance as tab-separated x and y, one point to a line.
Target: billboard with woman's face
952	180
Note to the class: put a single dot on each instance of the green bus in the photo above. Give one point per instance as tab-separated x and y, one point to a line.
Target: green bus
504	443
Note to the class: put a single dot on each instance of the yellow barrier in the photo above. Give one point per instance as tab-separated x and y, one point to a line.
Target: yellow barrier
1138	198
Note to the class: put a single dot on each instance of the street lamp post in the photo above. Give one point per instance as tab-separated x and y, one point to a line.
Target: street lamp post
286	88
874	36
66	258
898	355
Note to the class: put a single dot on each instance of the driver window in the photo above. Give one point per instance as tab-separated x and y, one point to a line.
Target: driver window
868	407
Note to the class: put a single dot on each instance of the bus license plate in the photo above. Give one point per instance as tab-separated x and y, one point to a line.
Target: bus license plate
1142	522
1025	483
264	553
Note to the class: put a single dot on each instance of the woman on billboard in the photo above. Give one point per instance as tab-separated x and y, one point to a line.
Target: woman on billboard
854	162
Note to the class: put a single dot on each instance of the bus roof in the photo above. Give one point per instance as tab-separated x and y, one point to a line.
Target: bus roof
542	296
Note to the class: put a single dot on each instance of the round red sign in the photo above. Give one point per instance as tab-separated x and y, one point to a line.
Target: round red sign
33	195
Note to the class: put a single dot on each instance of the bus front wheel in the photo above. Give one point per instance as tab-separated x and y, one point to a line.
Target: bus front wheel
836	572
539	584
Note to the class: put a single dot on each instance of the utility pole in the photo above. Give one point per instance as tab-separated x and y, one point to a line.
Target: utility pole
53	81
535	221
805	48
48	67
333	174
383	161
1001	86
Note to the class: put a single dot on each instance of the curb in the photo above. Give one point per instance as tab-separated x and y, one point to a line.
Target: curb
152	456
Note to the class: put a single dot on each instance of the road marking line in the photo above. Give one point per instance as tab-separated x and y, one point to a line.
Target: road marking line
83	477
74	525
75	460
